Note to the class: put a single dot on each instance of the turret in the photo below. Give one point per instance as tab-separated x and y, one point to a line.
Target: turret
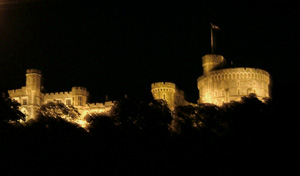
33	79
212	62
165	91
81	96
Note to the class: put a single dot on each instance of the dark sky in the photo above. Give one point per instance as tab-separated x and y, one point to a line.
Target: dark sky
120	47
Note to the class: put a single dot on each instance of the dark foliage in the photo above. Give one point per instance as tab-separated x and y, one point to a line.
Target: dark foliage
58	110
144	138
9	110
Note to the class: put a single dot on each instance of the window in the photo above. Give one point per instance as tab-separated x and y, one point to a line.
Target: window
16	99
238	92
80	101
68	101
24	101
164	96
223	92
58	101
222	84
48	101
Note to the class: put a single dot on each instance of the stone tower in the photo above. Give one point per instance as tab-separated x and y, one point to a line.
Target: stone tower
164	91
220	85
33	79
33	89
211	62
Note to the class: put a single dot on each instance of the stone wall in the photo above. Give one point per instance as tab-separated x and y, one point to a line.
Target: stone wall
224	85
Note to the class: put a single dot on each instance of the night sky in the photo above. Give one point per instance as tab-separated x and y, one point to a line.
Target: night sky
121	47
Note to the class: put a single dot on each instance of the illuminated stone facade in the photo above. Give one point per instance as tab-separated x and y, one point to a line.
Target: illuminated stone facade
31	97
218	85
167	91
221	85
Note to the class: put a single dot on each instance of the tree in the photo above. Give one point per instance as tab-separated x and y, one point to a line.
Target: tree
59	110
200	119
9	110
136	117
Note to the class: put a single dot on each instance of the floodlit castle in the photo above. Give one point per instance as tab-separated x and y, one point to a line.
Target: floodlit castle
220	85
31	97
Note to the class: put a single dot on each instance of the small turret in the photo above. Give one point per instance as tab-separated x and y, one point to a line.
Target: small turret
33	79
211	62
81	96
165	91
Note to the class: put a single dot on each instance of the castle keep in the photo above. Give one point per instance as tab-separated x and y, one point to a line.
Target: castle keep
31	97
220	85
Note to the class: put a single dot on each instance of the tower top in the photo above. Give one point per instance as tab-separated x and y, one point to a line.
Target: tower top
163	84
28	71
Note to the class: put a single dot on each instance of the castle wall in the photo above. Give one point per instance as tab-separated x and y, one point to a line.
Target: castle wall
78	96
31	98
225	85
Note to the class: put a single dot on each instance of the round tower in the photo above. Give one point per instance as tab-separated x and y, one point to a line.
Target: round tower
33	79
211	62
164	91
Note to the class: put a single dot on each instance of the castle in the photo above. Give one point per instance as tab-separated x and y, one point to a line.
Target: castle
31	97
218	84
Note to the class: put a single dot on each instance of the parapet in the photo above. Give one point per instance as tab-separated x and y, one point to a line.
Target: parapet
234	72
80	91
28	71
78	88
163	84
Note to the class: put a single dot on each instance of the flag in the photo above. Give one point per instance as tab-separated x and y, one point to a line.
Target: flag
214	26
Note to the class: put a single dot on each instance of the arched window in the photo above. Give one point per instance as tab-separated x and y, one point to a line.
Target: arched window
164	96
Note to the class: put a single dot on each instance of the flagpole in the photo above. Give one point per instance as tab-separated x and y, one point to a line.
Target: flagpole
211	39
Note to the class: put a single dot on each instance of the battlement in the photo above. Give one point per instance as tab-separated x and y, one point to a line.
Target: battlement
96	105
79	91
28	71
163	84
57	93
16	91
233	73
105	104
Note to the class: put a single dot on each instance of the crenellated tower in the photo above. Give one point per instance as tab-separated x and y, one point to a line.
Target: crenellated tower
165	91
33	79
33	90
80	96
